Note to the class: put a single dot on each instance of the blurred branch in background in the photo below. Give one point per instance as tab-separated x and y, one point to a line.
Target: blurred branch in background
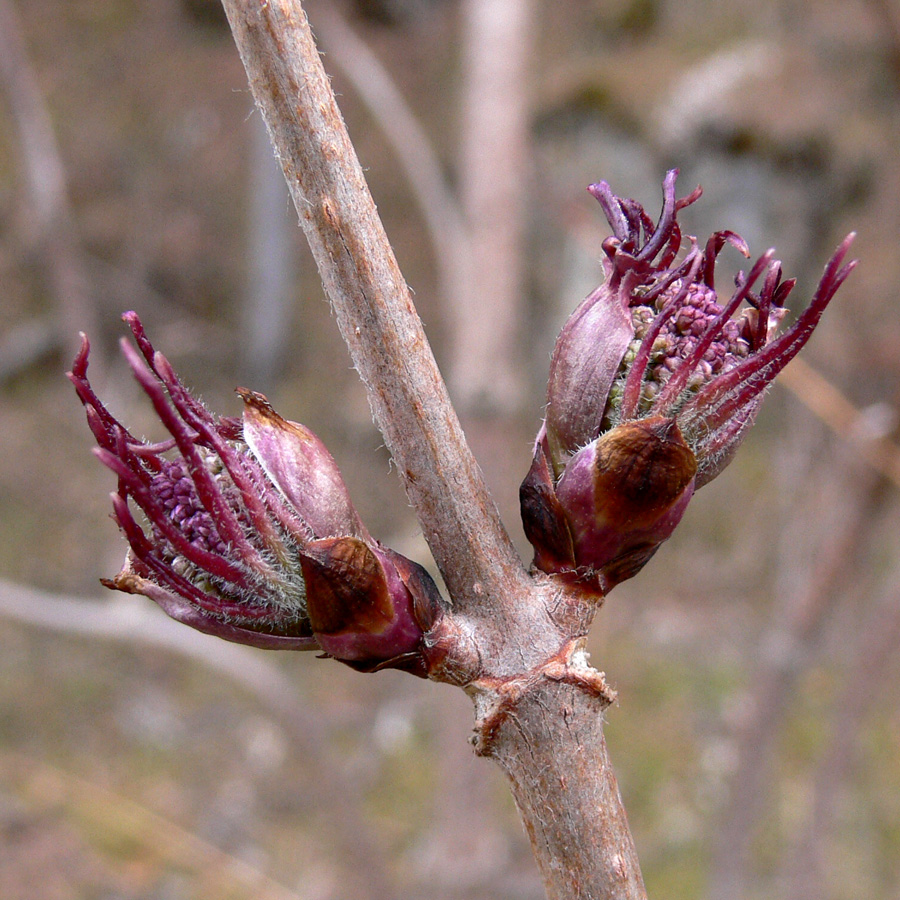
330	792
272	257
477	240
215	874
494	172
869	431
874	650
889	15
54	234
787	647
440	210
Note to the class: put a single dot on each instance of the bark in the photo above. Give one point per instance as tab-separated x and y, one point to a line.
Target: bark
514	641
560	728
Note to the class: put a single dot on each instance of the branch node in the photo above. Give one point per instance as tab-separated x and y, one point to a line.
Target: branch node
496	699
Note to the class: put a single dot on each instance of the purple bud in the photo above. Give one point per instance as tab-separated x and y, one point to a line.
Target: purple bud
301	467
582	371
368	606
249	533
655	343
624	494
543	516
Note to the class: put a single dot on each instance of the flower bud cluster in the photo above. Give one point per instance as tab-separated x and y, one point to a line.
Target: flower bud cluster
654	380
249	532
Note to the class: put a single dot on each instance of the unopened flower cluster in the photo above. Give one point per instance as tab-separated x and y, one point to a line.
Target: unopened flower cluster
249	533
654	380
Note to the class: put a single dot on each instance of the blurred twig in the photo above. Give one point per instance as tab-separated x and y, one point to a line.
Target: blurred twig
218	873
876	643
785	651
493	173
273	251
438	206
135	620
889	18
476	243
46	179
833	408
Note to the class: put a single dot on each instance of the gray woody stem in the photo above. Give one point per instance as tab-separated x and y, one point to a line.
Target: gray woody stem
514	641
370	298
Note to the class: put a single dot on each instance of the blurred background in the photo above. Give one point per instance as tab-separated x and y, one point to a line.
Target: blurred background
757	733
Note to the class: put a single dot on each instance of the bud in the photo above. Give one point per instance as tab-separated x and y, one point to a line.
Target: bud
653	383
368	606
300	466
238	515
624	494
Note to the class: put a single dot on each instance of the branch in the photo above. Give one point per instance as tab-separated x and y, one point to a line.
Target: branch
864	684
494	168
481	247
46	179
566	790
372	305
871	439
784	655
538	703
